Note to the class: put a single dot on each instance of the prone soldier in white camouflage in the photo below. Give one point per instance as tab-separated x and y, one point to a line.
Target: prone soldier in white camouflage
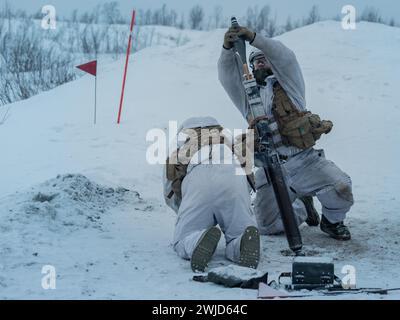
202	186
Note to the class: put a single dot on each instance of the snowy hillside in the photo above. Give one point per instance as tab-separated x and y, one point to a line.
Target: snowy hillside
83	198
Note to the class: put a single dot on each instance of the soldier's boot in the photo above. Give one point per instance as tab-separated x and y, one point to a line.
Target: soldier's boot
337	231
205	249
313	219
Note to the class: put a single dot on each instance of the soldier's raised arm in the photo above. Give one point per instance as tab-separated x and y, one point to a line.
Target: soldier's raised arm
284	65
230	73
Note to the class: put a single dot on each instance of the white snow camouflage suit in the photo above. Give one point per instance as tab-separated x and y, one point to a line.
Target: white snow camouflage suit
307	171
211	194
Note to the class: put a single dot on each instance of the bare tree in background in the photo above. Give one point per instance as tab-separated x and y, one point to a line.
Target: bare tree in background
147	17
1	30
85	18
196	16
111	13
74	16
263	18
181	24
173	16
217	16
29	66
371	14
86	48
156	17
289	24
272	28
6	11
94	17
251	17
313	16
164	15
140	17
38	15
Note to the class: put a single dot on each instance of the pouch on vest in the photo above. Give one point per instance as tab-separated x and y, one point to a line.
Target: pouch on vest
298	129
176	173
319	126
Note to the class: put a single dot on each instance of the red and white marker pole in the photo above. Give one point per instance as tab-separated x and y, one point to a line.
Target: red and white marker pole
128	51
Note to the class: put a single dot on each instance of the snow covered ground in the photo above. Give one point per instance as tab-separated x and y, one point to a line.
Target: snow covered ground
83	198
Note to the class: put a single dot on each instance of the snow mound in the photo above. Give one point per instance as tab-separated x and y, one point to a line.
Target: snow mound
74	201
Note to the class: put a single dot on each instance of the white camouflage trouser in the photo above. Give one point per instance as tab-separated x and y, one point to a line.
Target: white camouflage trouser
308	174
213	194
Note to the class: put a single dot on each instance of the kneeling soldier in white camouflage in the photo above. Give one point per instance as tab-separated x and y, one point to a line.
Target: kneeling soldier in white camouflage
296	131
205	189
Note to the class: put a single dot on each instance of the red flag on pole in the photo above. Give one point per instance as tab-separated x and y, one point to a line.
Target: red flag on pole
128	51
90	67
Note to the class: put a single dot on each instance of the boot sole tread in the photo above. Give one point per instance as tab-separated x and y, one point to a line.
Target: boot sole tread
205	249
250	248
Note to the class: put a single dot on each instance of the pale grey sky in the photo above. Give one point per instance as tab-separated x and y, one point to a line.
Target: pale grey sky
282	8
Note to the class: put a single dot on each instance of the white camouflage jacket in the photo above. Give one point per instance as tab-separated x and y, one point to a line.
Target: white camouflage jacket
286	71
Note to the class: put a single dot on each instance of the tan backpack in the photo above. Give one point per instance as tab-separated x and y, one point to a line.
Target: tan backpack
198	138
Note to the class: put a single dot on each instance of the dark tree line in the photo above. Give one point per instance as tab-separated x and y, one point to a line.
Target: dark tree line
257	18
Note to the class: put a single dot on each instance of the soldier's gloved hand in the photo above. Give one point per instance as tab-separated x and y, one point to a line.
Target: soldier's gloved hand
233	34
230	38
246	34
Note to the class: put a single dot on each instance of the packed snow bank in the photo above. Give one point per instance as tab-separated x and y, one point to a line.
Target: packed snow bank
55	223
351	79
70	202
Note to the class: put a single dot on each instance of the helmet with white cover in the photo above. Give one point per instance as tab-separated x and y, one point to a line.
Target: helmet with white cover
255	53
